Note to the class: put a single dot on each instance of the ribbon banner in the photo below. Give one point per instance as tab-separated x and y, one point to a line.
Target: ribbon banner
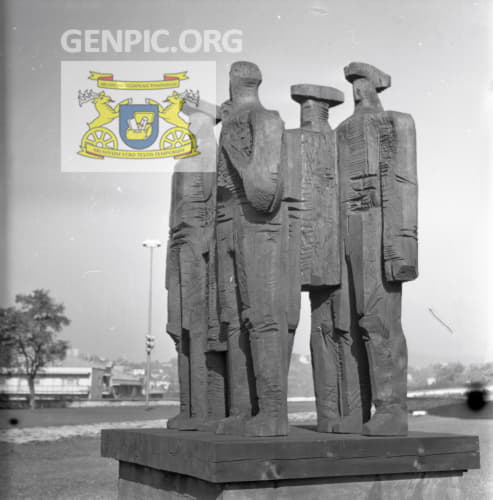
100	153
169	81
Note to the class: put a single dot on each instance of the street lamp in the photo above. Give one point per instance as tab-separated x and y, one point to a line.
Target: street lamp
151	244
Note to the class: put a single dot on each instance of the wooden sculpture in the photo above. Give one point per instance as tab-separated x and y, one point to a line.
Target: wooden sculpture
190	278
252	245
332	213
378	210
313	194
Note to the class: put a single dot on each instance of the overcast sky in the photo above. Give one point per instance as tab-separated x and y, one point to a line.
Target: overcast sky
79	234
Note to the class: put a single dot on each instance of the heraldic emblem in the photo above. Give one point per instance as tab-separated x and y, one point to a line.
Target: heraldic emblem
138	124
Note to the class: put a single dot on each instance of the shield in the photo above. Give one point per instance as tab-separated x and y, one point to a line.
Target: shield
139	125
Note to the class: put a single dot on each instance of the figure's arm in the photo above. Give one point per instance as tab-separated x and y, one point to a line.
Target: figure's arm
400	199
261	173
172	282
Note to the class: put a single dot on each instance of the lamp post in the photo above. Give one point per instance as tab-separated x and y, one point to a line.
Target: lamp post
151	244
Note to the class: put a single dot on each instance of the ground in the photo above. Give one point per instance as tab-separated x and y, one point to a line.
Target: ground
77	416
72	468
63	469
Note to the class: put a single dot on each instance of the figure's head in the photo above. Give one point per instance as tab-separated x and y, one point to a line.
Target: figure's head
363	89
244	79
367	81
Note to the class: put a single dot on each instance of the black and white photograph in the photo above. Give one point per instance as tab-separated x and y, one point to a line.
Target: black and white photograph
245	249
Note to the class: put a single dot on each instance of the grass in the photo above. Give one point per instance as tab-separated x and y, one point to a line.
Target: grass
64	469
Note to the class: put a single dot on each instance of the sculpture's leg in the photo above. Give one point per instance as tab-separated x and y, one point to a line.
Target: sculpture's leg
292	275
217	399
289	346
378	305
324	350
271	420
183	352
187	277
179	335
351	355
350	391
387	357
241	386
241	392
216	345
267	332
198	340
216	385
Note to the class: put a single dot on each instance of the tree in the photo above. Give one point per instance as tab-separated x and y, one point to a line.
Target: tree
7	323
29	332
449	374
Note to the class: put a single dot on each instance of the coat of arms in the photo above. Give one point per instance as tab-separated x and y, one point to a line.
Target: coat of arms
138	124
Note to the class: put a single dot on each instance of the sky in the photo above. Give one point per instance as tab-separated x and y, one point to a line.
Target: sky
79	234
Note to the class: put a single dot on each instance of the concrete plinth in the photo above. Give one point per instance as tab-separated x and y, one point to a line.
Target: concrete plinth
164	464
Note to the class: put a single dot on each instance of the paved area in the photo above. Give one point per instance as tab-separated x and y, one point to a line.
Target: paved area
52	433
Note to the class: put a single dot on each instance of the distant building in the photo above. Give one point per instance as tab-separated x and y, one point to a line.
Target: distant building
72	378
79	377
124	385
56	382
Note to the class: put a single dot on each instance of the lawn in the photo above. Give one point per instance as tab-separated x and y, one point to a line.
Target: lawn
63	469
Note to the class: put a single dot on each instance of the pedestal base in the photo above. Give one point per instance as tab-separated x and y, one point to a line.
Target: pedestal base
163	464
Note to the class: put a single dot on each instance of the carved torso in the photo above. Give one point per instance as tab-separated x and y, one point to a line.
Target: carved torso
191	205
359	175
378	188
248	173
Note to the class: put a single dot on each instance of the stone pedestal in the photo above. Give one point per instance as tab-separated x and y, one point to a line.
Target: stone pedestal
163	464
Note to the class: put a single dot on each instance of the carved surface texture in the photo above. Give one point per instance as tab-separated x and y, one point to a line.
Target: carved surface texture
332	213
192	290
378	202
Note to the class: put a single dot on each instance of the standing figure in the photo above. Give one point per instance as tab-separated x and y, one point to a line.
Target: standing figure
312	189
311	195
252	246
190	278
378	210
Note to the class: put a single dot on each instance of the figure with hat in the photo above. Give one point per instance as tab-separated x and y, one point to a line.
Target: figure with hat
378	212
312	192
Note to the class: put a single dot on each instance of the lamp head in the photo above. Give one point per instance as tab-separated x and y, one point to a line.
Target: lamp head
151	243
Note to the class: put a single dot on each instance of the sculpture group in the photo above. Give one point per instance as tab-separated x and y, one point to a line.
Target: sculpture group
277	212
